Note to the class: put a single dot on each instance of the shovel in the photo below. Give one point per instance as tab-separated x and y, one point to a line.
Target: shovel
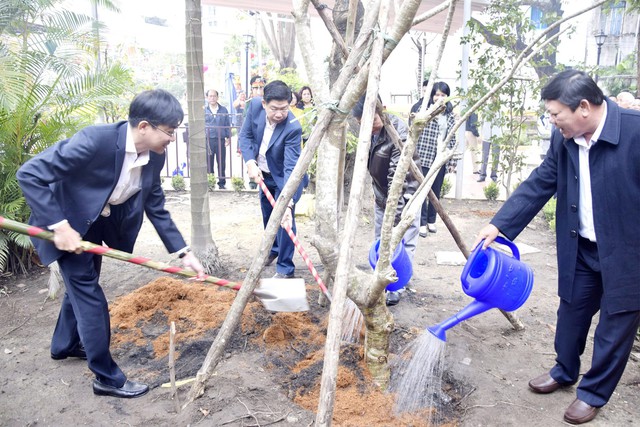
275	294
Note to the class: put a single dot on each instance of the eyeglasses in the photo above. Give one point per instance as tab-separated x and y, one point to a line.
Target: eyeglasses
257	87
171	134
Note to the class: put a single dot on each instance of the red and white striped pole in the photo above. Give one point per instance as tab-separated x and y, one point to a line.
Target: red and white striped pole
297	244
33	231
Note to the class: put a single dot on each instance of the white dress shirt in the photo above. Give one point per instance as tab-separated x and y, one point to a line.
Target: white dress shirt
585	202
264	145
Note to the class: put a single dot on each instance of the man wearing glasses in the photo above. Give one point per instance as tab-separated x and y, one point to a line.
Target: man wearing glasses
270	142
96	186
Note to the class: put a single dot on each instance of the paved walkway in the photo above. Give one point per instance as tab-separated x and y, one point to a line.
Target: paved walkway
471	189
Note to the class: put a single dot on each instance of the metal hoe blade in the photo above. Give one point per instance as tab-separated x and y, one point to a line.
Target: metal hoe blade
287	295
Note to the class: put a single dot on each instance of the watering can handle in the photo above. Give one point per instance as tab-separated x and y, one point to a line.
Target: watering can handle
507	242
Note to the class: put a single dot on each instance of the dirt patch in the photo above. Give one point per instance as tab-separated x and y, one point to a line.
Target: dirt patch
270	372
293	345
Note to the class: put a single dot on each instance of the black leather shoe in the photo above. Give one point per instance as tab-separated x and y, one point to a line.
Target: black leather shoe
129	390
77	352
393	298
580	412
545	384
269	261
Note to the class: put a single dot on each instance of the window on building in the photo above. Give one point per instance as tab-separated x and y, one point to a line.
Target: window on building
537	18
611	20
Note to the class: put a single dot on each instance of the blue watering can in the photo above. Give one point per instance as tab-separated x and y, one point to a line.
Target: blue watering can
495	280
399	261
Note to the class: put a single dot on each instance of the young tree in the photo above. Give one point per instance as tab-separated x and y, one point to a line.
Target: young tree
508	26
360	69
544	62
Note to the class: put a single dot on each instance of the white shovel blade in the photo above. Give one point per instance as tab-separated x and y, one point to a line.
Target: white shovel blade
283	294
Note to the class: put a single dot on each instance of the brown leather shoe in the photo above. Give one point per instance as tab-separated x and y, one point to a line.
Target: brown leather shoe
580	412
544	384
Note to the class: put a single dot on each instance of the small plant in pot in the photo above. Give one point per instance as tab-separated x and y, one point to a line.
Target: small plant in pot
237	183
178	183
491	191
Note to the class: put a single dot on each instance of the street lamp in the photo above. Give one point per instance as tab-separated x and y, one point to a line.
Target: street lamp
600	38
248	39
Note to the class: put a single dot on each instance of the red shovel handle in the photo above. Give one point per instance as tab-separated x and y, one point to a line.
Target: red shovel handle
297	244
32	231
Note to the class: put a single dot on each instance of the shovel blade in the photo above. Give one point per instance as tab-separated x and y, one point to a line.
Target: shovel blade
287	295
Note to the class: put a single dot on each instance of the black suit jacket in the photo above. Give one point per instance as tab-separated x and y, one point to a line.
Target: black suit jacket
614	163
74	179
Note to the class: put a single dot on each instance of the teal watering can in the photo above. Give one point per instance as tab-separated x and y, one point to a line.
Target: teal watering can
495	280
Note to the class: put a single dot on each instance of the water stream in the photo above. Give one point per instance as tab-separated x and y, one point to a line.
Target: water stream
352	322
417	375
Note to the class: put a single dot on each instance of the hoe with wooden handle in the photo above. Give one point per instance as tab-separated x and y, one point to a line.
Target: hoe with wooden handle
275	294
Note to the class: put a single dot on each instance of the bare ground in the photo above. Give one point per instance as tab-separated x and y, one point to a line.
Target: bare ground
271	369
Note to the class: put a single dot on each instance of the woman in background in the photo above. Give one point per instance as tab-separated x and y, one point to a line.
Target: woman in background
436	129
308	117
306	98
293	105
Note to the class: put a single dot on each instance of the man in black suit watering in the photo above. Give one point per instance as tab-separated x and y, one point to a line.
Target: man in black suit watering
593	164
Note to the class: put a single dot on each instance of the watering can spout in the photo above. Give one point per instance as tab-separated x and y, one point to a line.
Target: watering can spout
473	309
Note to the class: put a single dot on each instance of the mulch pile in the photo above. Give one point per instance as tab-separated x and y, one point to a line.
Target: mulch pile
292	344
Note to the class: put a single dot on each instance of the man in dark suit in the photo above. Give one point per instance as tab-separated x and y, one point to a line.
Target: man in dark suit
96	186
218	126
593	164
270	141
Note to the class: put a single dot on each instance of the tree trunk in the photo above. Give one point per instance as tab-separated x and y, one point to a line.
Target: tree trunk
379	53
201	239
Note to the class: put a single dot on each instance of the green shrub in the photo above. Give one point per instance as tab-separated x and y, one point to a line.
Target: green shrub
237	183
212	180
491	191
446	187
178	183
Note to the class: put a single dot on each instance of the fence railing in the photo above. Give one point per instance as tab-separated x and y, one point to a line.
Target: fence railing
178	162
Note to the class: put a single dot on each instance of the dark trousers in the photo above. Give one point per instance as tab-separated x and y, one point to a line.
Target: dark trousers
495	159
428	212
614	334
283	246
84	313
218	155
